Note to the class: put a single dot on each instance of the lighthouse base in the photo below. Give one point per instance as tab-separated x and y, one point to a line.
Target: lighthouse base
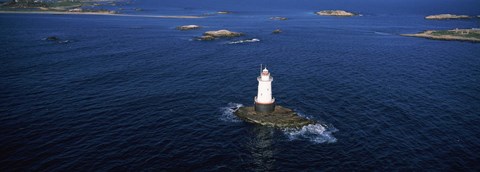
281	117
265	108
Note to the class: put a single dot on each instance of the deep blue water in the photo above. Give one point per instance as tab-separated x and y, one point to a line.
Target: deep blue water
132	93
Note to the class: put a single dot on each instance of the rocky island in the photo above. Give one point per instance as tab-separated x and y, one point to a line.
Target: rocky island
472	35
188	27
211	35
281	117
61	7
339	13
446	17
55	6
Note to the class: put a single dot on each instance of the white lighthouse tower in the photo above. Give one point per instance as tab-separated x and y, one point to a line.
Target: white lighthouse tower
264	101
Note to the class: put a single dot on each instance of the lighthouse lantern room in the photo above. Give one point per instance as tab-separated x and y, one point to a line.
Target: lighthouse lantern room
264	102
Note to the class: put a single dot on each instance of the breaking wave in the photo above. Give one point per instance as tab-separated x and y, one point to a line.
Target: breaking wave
245	41
317	133
382	33
227	112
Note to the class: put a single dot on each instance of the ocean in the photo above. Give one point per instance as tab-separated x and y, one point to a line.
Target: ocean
122	93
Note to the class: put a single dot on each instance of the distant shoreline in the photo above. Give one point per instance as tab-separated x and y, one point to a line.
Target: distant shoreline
99	13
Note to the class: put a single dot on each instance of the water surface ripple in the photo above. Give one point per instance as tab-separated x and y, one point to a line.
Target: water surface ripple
117	98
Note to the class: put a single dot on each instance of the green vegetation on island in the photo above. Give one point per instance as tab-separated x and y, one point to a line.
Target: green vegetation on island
472	35
73	6
86	7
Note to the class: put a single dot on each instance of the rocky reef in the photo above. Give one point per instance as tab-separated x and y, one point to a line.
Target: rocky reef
340	13
211	35
56	39
281	117
278	18
472	35
188	27
446	17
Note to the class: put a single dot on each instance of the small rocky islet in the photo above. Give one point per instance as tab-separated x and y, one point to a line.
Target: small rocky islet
470	35
212	35
338	13
281	117
446	17
56	40
188	27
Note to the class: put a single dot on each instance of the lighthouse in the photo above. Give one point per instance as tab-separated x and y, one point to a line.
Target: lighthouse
264	101
265	112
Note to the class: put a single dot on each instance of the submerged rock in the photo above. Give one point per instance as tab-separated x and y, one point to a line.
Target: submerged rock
56	39
277	31
281	117
224	12
278	18
340	13
206	38
52	38
210	35
446	17
188	27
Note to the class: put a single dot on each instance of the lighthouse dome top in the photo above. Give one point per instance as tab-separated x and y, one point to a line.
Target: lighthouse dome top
265	71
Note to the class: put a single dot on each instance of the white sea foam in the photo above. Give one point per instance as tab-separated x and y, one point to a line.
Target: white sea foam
301	114
245	41
317	133
381	33
227	112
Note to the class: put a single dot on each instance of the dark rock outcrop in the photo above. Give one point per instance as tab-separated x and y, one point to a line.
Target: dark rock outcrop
52	38
282	117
